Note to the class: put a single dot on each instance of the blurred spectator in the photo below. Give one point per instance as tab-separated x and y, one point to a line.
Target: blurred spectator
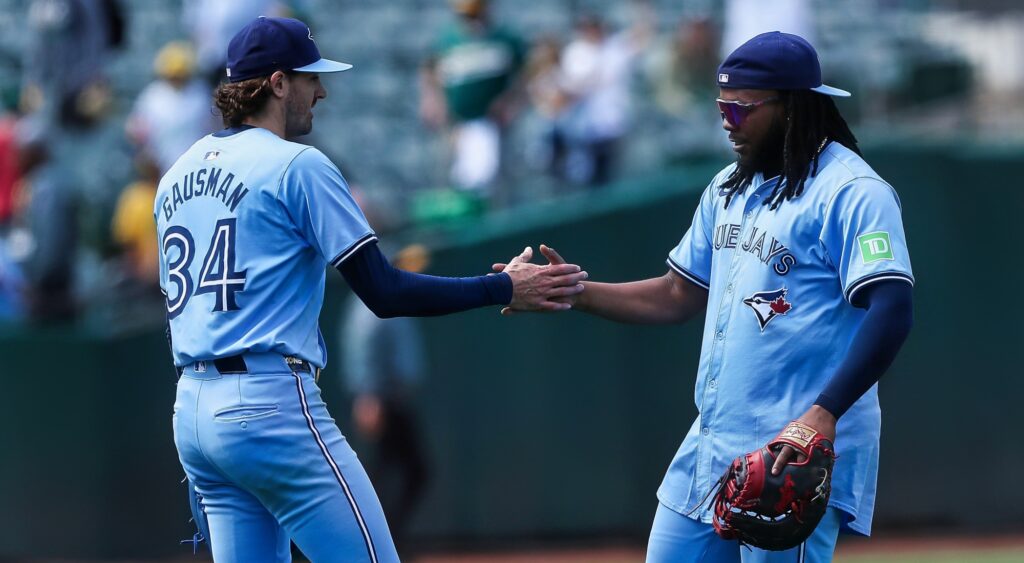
597	69
68	45
50	217
383	363
129	296
134	228
12	284
681	71
214	22
174	111
8	169
546	92
744	19
474	71
12	279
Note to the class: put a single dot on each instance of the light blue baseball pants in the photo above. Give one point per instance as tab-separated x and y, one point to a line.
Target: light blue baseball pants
271	466
676	538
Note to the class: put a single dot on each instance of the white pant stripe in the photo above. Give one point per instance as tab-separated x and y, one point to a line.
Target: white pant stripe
337	471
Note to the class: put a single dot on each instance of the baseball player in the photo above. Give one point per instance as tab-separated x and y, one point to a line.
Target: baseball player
247	223
797	253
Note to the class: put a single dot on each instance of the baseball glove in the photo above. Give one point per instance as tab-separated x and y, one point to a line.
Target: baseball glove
776	512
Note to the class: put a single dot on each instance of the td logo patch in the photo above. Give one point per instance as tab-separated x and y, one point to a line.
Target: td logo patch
768	304
875	247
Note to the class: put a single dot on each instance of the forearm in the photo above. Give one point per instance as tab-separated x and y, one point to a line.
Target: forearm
665	300
390	292
885	328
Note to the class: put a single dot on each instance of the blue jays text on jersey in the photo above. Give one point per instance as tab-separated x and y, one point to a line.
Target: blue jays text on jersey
727	236
779	321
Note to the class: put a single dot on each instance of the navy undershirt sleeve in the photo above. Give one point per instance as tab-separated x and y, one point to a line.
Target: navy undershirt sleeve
889	317
390	292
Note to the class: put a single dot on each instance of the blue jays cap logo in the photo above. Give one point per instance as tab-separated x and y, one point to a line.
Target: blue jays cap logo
768	304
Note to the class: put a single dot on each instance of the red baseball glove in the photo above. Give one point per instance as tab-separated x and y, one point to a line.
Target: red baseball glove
776	512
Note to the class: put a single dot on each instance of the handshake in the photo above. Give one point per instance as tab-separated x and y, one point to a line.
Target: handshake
554	287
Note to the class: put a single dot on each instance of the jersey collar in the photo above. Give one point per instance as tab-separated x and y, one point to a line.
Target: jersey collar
232	130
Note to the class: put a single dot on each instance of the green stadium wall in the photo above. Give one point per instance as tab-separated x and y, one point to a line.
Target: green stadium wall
559	426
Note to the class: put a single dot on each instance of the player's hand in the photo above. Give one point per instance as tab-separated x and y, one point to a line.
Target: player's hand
553	259
818	419
541	288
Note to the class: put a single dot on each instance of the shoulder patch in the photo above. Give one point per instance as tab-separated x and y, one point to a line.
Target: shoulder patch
875	246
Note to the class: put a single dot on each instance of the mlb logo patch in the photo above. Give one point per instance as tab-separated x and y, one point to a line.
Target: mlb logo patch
211	155
723	78
200	367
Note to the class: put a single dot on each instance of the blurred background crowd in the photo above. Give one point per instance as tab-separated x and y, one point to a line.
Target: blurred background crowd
495	120
453	109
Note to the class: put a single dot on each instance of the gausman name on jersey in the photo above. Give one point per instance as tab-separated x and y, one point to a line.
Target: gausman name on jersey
205	182
766	248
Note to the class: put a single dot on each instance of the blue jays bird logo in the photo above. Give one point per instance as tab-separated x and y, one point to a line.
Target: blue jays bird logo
768	304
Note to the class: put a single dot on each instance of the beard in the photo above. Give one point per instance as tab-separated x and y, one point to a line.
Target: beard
767	156
298	117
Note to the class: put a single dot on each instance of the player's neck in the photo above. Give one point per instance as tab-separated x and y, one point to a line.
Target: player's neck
270	120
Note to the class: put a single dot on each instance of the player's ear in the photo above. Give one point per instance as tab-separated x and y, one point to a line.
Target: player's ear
279	83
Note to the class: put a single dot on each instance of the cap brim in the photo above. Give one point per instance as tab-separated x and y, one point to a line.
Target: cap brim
324	65
830	91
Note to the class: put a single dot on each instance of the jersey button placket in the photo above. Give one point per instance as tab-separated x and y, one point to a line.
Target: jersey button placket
709	396
725	309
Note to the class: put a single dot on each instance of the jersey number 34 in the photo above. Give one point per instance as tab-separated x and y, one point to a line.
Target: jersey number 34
217	276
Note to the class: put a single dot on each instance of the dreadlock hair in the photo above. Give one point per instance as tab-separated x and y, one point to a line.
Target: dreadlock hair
812	119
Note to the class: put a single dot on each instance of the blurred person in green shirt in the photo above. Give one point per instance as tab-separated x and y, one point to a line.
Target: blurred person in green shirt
470	86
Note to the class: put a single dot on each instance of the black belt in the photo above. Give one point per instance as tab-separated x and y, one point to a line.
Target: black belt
236	364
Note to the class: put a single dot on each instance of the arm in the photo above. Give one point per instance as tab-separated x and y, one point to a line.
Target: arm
888	321
668	299
890	314
390	292
664	300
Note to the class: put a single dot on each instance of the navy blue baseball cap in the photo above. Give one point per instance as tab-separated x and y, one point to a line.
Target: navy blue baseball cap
775	61
267	45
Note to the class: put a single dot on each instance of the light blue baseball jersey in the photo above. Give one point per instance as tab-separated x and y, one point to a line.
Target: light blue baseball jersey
779	321
247	224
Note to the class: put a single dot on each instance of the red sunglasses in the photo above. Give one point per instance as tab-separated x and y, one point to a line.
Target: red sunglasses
735	111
